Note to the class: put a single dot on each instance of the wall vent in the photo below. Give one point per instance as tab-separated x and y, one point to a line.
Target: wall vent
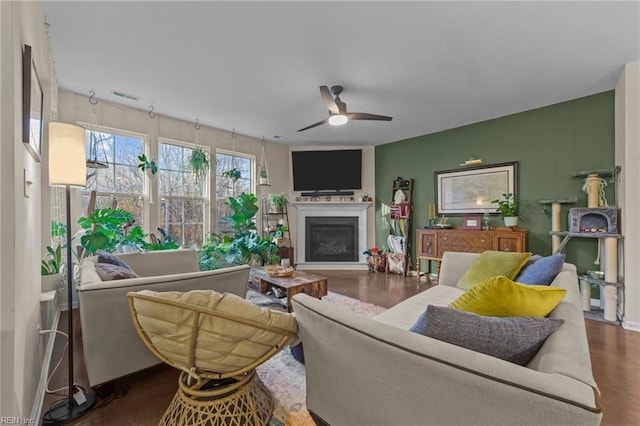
124	95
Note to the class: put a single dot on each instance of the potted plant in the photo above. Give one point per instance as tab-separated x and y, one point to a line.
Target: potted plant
199	162
147	165
50	269
507	207
263	179
233	174
109	230
277	202
244	245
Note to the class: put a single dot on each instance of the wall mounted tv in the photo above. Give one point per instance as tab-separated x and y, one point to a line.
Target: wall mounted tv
336	170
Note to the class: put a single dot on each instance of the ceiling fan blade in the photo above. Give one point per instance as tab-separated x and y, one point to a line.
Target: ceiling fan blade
327	98
314	125
365	116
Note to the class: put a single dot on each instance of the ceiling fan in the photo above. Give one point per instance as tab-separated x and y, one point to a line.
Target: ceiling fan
338	114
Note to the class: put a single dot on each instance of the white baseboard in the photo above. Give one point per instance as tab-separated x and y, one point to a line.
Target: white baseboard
630	325
36	410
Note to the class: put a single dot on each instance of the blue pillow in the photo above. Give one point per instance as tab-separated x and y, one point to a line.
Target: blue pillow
542	271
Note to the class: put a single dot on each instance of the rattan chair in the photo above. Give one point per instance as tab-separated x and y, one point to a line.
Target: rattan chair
216	340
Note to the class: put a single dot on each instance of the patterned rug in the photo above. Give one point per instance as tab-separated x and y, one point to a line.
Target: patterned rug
285	376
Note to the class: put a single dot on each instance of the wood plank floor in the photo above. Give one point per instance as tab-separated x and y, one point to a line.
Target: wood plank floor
140	399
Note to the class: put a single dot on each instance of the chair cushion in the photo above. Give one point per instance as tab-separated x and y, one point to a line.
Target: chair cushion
231	333
491	263
513	339
542	271
501	297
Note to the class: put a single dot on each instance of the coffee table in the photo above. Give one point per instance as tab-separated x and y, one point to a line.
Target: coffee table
299	282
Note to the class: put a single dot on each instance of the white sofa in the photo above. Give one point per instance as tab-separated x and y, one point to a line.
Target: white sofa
373	371
112	347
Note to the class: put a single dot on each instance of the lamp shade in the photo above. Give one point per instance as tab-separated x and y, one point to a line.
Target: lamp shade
67	155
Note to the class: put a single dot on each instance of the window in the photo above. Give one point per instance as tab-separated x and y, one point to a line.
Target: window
226	187
183	200
121	182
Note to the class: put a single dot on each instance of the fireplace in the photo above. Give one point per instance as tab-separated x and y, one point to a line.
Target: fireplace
358	229
331	239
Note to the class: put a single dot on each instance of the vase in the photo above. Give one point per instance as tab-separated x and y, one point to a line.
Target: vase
511	221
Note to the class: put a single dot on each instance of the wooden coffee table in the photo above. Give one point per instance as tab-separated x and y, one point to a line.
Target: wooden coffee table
299	282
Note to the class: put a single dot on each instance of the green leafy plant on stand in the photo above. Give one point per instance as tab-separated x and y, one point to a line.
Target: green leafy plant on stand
52	262
243	245
146	164
507	206
277	201
109	229
165	242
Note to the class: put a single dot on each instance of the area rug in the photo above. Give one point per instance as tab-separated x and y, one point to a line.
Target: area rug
285	376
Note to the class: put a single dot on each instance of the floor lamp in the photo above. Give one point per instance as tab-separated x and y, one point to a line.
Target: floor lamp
67	167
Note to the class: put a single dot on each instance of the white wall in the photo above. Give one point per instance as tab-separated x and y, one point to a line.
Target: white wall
627	129
20	220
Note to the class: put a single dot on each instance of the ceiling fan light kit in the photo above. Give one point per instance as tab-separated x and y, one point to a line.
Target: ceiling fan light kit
338	114
338	120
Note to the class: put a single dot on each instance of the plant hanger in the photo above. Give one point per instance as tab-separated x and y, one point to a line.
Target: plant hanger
95	138
199	161
263	168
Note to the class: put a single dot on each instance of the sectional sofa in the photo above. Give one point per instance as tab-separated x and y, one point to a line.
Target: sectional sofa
373	371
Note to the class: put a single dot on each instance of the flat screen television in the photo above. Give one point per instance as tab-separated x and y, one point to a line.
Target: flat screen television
335	170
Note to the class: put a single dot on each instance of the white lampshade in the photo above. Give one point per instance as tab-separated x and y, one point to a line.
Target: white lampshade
67	155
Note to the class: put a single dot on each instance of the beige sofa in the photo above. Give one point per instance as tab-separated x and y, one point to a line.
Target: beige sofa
363	371
112	347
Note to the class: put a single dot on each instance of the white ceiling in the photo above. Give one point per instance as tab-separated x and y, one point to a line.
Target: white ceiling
257	66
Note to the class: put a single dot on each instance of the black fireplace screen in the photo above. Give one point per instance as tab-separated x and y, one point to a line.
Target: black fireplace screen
331	239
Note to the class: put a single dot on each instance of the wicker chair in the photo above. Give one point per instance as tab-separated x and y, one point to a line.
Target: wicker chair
216	340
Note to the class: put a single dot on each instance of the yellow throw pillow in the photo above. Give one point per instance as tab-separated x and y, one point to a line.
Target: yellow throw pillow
492	263
501	297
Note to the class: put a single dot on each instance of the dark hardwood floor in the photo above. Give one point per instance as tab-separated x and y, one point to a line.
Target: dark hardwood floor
140	399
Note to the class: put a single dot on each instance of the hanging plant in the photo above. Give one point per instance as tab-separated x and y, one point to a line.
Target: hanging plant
199	162
233	174
145	164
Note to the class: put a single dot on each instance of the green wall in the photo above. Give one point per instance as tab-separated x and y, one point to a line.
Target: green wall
550	144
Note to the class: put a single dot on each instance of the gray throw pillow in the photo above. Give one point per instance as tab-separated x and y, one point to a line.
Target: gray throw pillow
109	272
106	257
513	339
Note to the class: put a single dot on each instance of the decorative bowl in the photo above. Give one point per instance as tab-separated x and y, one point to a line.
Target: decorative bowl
278	272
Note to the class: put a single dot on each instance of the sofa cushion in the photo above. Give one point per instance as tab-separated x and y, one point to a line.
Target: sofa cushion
542	271
491	263
501	297
514	339
109	272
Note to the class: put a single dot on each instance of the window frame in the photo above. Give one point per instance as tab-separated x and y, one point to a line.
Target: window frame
252	179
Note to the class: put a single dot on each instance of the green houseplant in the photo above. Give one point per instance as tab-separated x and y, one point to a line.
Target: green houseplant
233	174
108	230
277	202
263	178
199	162
507	207
243	245
146	164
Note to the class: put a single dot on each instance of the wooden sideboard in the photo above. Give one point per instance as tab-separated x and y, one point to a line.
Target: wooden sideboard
432	243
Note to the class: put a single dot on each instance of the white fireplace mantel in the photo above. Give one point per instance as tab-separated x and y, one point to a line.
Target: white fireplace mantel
331	209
